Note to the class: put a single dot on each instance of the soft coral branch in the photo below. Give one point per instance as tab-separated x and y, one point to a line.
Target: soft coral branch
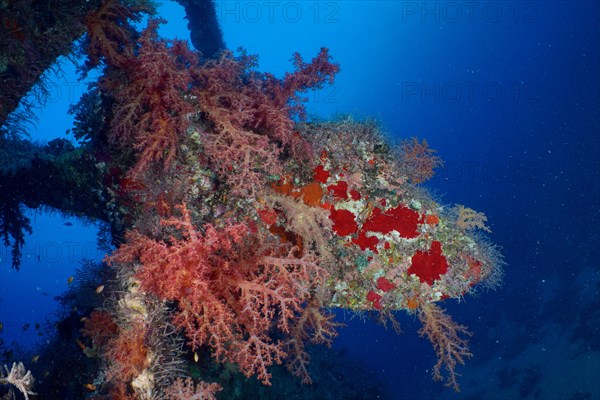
419	160
312	325
445	335
232	290
313	75
252	115
186	390
149	109
110	34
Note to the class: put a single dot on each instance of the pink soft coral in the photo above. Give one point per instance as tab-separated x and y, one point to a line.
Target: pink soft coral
110	32
445	335
252	113
185	390
232	290
149	109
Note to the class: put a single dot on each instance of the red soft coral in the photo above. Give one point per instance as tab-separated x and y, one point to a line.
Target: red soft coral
252	113
313	75
149	109
110	34
127	353
100	327
418	160
232	291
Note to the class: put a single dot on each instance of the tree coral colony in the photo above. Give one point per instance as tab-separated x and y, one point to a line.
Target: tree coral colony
249	225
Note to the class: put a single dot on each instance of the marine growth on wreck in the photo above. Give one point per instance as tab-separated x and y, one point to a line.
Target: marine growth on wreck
238	224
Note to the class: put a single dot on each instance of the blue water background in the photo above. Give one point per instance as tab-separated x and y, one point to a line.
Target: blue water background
508	95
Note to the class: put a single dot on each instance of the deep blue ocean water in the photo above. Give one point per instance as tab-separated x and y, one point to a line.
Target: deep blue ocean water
509	95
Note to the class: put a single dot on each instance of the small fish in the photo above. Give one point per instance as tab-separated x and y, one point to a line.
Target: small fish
99	289
37	326
70	280
35	358
90	387
46	373
45	294
1	326
68	223
82	319
25	327
196	357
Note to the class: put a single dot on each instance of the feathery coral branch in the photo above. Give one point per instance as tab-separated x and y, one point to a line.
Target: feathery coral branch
149	110
467	219
185	390
232	290
449	347
252	115
19	377
419	160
